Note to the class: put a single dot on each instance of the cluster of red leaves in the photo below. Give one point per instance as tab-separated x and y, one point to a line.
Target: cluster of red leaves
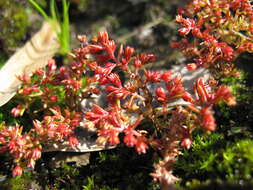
142	95
215	32
24	148
59	126
57	91
145	95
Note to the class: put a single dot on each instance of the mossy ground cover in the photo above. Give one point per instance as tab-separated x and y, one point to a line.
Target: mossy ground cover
13	24
121	168
223	159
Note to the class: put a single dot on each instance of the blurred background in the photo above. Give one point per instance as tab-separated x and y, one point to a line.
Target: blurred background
146	24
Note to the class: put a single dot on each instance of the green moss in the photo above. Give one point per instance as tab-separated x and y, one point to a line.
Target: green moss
23	182
223	160
13	24
214	158
199	160
218	184
237	161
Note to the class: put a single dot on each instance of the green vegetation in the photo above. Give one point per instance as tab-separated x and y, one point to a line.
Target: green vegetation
25	181
14	24
223	159
56	18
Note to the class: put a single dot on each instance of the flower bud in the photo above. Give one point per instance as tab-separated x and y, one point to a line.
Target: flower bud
184	31
18	111
140	146
81	38
129	139
161	95
51	65
228	52
187	97
103	37
73	141
196	32
17	171
153	76
146	58
208	121
186	143
191	66
180	11
39	72
31	163
53	98
137	63
36	153
166	76
95	48
129	51
113	137
224	93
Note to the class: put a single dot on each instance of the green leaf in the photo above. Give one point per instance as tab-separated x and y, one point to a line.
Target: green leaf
64	35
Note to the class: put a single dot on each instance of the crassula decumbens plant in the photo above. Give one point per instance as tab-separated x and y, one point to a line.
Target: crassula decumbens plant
214	33
53	97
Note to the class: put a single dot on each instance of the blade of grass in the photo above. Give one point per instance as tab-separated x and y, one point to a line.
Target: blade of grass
39	9
53	10
54	18
65	27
